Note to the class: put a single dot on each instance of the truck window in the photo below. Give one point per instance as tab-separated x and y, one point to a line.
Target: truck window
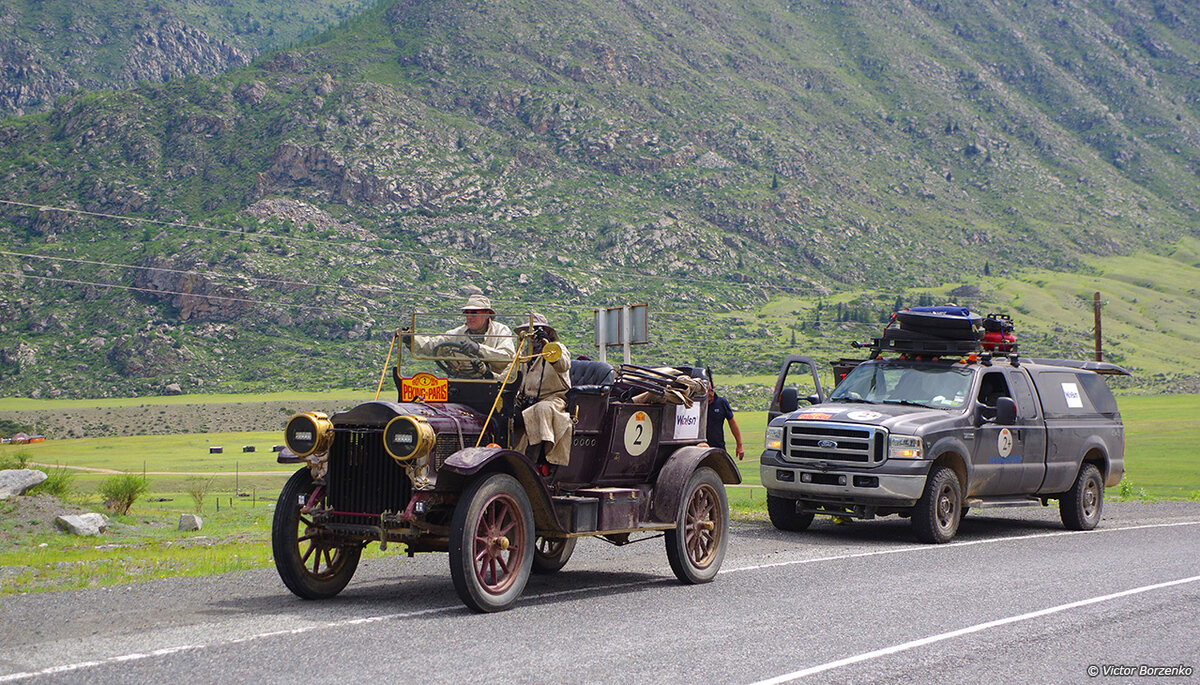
1065	393
1098	392
992	387
939	386
1023	394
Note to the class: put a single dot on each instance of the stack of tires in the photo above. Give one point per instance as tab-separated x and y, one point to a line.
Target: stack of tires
933	330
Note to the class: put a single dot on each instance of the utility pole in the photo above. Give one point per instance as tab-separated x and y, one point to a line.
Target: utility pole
1096	309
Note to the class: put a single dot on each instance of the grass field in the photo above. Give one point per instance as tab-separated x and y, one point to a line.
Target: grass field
1162	461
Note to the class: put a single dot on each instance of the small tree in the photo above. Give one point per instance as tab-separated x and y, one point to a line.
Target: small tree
198	488
120	492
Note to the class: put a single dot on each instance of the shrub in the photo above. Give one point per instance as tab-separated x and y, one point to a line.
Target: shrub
58	483
120	492
198	488
16	460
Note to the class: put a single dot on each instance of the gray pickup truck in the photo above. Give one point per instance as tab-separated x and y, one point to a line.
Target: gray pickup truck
932	432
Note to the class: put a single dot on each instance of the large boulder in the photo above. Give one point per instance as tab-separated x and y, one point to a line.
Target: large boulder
19	481
82	524
190	522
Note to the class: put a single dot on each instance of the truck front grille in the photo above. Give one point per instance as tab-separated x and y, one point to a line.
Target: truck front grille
837	442
362	477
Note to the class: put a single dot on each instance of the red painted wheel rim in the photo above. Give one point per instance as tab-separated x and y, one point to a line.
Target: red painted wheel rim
702	526
499	544
319	559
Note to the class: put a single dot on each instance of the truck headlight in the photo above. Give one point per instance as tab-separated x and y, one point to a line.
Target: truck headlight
904	447
308	433
408	437
774	438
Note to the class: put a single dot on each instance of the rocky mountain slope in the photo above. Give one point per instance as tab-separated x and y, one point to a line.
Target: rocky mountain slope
278	221
50	48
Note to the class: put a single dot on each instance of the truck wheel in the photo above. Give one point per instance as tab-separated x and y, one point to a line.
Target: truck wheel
1080	507
784	515
936	516
551	554
696	546
310	565
491	543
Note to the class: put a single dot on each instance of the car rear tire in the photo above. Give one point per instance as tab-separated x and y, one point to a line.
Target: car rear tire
783	514
551	554
309	564
1082	505
696	546
937	514
491	543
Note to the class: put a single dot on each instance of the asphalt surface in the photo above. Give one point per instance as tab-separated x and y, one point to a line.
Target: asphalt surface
1014	598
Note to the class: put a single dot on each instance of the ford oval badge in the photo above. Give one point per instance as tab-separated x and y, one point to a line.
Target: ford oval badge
826	444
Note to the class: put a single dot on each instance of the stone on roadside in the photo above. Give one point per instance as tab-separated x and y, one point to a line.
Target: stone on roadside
83	524
190	522
18	481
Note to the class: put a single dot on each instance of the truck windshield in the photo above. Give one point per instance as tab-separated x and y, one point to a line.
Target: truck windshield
926	384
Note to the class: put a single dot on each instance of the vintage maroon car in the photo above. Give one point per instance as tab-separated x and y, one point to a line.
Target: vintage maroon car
435	471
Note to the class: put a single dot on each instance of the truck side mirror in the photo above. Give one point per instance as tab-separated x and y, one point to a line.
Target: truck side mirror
789	400
1006	411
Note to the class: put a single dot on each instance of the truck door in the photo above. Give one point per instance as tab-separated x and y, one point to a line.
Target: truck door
1030	431
999	450
797	381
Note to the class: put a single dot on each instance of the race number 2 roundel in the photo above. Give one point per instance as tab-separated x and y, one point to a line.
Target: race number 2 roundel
1004	442
638	432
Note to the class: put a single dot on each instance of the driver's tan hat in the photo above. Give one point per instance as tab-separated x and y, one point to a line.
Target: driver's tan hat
478	301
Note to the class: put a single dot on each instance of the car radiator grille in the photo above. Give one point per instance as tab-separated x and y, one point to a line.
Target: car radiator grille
363	478
836	442
447	444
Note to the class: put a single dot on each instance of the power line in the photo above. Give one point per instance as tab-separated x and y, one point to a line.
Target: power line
395	251
153	291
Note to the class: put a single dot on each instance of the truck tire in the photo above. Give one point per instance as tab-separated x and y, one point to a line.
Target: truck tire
309	564
696	545
784	516
936	516
491	543
1080	507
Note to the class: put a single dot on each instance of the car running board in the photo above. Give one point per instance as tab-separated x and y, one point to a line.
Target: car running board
995	502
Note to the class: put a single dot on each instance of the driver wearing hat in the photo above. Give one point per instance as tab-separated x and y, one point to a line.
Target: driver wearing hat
481	337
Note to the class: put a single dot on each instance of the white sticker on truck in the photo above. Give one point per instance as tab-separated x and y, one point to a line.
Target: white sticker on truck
1071	393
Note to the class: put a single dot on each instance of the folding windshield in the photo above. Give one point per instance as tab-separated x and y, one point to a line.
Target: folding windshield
924	384
463	345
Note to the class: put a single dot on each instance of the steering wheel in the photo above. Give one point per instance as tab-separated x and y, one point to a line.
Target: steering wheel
465	362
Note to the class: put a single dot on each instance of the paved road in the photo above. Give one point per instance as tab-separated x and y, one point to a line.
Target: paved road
1014	598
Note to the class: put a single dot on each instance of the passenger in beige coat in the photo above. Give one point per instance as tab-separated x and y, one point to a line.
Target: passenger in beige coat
548	427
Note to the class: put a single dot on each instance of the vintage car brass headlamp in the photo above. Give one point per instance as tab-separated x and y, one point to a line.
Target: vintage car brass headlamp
408	437
308	433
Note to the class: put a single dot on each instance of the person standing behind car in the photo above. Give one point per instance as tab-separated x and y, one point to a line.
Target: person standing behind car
481	336
544	385
719	412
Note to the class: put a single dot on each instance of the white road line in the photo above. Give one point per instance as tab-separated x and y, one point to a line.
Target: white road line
952	545
867	656
137	656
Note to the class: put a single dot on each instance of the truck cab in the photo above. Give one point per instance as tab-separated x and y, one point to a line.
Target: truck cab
939	428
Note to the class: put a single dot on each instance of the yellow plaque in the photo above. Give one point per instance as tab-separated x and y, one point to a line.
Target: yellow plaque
425	386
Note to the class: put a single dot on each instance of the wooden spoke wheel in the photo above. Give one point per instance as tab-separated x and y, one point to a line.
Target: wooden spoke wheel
696	546
491	543
309	560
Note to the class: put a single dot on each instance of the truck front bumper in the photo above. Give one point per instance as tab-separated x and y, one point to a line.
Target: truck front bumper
894	484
